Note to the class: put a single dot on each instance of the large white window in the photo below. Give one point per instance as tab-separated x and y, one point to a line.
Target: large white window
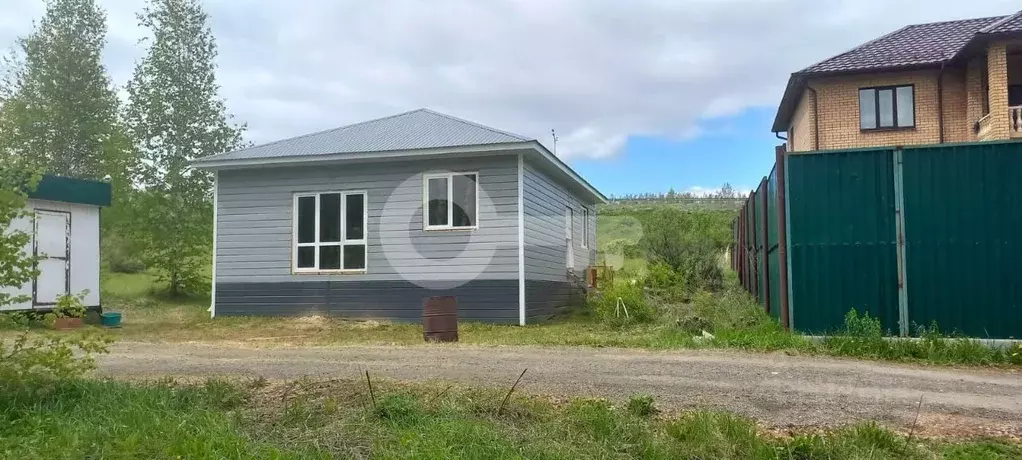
330	232
451	201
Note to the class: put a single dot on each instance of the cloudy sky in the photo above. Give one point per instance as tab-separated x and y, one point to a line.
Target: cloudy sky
644	94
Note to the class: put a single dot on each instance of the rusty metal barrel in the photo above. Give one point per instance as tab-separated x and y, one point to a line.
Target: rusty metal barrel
440	319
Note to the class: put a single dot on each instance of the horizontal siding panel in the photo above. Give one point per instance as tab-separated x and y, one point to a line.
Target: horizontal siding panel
254	221
479	300
544	202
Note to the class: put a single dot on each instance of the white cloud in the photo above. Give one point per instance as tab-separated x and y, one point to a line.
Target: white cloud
597	71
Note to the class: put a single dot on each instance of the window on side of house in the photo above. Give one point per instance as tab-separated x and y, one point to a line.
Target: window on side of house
451	201
330	232
585	227
887	107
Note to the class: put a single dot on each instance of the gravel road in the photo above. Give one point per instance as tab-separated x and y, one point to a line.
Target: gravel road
781	391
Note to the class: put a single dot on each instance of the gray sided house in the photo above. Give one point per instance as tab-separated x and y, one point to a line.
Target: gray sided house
368	220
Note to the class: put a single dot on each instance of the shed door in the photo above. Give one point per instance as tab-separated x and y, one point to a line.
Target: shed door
53	245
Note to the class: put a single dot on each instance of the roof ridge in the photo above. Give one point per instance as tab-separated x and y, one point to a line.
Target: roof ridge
477	125
985	18
1000	22
339	128
856	48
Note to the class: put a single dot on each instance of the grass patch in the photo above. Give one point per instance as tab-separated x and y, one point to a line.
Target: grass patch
317	419
731	316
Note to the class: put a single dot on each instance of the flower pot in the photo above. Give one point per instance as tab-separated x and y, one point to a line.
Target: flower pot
67	323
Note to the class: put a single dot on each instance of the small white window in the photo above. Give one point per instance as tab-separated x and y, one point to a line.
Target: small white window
451	201
585	227
330	232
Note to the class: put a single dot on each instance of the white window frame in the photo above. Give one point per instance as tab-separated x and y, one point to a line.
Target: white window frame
364	241
450	208
585	227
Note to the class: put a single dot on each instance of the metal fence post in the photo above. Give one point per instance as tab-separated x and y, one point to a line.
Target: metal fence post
899	224
782	234
765	254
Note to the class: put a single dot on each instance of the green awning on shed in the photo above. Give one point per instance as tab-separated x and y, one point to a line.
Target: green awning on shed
71	190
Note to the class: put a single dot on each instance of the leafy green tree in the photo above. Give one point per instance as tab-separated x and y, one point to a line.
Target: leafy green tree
175	115
60	107
17	267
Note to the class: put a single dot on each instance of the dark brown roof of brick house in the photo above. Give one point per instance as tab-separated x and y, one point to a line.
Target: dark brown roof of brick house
911	47
1007	24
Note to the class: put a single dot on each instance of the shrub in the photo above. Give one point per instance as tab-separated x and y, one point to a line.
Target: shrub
121	254
861	336
30	368
635	308
689	243
1015	354
665	282
71	306
623	247
15	321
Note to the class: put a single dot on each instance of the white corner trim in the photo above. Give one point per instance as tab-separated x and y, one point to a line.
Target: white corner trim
212	294
521	241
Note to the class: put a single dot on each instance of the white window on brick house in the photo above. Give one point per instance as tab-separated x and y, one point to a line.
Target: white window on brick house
887	107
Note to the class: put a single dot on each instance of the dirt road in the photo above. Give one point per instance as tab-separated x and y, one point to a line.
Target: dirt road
782	391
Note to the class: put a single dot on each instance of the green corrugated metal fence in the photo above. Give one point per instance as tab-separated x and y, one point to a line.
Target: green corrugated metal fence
963	238
772	251
954	208
842	238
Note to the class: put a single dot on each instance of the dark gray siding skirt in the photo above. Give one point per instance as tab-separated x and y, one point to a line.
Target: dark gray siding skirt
544	299
479	300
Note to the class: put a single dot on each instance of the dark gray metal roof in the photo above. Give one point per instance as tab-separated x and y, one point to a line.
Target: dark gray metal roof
418	129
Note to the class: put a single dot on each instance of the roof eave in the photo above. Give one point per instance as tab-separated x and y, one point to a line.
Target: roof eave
401	154
799	81
213	164
556	161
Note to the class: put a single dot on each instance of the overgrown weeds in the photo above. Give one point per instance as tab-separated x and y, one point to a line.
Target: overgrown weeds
32	367
863	337
328	419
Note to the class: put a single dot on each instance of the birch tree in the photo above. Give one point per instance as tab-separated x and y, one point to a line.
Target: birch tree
175	115
60	107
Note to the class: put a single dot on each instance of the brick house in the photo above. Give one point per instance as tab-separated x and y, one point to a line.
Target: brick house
955	81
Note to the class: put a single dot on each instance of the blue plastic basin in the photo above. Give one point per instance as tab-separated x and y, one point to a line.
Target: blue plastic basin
111	319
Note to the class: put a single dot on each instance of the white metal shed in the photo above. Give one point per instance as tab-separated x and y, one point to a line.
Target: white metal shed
65	233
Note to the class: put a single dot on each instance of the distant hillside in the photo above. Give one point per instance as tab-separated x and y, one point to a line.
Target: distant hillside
684	203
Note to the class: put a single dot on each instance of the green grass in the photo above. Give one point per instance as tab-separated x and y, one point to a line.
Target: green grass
338	419
731	316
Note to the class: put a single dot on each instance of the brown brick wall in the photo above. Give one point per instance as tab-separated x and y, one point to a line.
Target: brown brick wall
839	111
997	74
801	135
975	88
957	128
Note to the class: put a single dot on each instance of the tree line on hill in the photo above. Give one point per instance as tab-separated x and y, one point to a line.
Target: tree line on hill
725	192
60	114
